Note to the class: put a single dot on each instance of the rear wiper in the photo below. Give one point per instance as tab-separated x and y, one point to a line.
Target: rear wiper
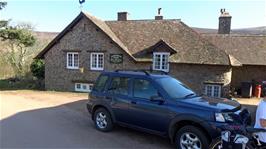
189	95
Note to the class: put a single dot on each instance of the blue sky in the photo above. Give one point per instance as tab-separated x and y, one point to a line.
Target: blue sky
54	15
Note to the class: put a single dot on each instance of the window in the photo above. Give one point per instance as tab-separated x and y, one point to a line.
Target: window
144	89
119	86
160	61
72	60
83	87
174	88
100	84
213	90
97	61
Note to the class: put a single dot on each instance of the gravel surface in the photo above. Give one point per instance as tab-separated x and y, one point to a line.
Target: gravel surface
36	119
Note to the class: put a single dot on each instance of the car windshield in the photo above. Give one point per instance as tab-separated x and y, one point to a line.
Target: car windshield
174	88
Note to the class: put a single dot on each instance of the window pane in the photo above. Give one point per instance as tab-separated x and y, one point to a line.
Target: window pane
84	86
157	61
78	86
70	64
76	60
93	60
100	61
216	91
100	84
164	62
209	90
120	86
144	89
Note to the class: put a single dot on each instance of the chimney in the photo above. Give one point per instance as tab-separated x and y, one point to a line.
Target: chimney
122	16
159	16
224	22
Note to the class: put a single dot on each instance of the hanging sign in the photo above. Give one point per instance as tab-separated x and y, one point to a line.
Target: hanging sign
116	58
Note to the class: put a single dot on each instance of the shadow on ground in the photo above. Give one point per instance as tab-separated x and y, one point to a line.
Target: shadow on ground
68	126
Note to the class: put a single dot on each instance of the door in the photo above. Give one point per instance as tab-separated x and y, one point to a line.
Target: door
118	91
144	112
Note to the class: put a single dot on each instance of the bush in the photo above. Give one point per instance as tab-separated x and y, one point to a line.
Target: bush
37	68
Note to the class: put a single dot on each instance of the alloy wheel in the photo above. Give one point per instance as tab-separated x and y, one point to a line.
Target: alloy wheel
190	141
101	120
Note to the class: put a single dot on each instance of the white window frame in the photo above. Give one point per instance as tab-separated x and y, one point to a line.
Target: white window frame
88	87
212	89
72	60
161	62
97	61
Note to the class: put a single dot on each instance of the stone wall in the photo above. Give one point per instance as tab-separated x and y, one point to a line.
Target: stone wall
195	76
85	38
247	73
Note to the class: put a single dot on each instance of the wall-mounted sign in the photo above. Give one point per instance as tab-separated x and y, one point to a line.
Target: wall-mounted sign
116	58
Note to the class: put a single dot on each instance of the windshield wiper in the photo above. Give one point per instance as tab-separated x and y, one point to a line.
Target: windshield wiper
190	95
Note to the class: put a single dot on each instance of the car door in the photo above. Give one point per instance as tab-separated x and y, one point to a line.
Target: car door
118	91
144	112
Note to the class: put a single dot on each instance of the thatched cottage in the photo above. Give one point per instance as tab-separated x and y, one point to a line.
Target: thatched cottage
88	46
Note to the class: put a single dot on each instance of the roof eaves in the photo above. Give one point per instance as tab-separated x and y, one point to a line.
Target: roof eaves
58	37
106	29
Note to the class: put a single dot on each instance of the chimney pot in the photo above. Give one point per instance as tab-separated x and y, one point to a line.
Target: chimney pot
122	16
158	17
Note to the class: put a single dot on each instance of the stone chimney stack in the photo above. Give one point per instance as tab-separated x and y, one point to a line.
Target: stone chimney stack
224	22
122	16
159	16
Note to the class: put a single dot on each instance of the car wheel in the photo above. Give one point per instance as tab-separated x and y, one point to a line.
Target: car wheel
190	137
102	120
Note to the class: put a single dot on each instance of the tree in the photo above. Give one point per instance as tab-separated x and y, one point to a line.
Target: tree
2	5
18	39
37	68
3	23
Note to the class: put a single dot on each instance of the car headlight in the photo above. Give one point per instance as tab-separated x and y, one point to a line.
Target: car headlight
223	117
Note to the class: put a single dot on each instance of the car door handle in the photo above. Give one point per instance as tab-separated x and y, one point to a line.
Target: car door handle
133	102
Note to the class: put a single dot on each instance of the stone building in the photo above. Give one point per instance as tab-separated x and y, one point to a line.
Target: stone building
88	45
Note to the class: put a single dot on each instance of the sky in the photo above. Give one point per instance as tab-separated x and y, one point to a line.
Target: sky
55	15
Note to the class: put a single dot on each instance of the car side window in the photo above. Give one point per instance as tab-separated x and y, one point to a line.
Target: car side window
144	89
119	86
100	84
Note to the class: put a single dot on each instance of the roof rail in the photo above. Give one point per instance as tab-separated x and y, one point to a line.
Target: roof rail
146	71
133	70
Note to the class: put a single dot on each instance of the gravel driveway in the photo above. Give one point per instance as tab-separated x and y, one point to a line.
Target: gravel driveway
35	119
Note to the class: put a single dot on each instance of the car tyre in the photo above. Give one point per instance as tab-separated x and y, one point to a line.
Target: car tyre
191	137
102	120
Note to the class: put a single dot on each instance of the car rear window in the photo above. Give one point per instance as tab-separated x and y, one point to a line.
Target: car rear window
100	84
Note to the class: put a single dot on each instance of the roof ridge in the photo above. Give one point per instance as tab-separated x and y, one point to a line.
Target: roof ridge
234	35
179	20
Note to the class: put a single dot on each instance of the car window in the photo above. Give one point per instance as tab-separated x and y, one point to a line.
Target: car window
174	88
144	89
100	84
119	86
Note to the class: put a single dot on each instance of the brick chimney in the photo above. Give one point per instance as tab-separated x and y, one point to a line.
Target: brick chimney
122	16
159	16
224	22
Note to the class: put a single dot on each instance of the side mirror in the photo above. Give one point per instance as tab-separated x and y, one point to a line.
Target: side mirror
157	99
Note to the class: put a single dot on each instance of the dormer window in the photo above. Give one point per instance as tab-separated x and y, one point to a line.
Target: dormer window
161	61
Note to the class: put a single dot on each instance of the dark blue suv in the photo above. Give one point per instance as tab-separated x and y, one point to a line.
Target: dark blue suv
158	103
